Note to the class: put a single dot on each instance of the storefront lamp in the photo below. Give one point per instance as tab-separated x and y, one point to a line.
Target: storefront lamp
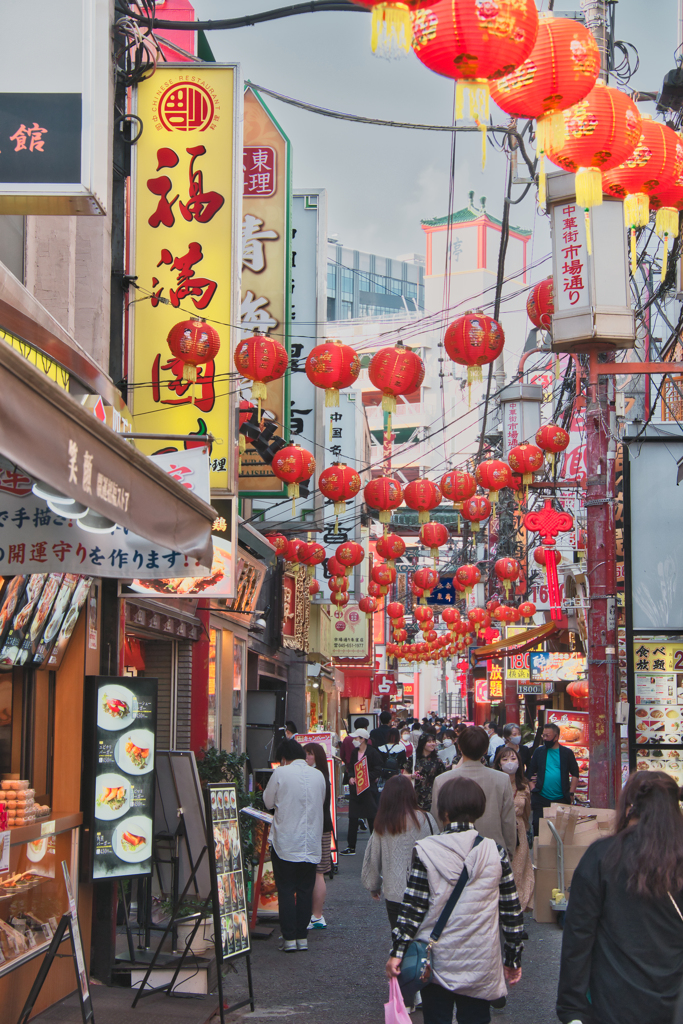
93	522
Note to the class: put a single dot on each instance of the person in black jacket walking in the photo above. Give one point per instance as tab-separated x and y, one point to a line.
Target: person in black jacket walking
622	947
553	772
362	805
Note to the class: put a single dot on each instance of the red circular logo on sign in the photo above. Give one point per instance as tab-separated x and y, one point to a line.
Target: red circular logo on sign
340	626
186	107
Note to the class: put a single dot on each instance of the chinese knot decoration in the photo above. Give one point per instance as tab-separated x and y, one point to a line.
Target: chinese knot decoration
339	483
457	487
332	365
385	494
422	496
194	342
293	465
260	359
548	522
540	304
472	341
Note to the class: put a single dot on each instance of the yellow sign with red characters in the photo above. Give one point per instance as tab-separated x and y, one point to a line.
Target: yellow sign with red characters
185	256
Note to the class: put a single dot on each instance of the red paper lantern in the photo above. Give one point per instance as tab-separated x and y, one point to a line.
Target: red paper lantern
434	536
427	579
332	366
492	605
503	613
395	370
390	546
514	615
374	589
450	616
384	575
667	202
480	618
349	554
339	483
475	510
398	623
540	305
552	439
527	609
336	583
526	459
430	636
495	475
422	496
293	548
600	132
416	591
193	342
369	605
334	567
311	554
540	555
507	571
475	42
384	493
457	487
423	613
468	576
400	634
472	341
313	588
395	610
279	542
260	359
340	598
293	465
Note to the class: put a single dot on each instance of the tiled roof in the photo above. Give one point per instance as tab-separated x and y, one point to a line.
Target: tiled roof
469	213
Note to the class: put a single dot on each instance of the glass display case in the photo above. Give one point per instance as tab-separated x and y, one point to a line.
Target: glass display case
32	893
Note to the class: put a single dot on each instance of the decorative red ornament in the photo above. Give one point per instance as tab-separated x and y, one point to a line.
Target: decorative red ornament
194	342
600	132
475	510
494	474
469	576
279	542
423	613
369	605
507	570
427	579
339	483
548	522
541	554
246	410
492	605
293	465
514	615
526	459
400	634
338	583
527	610
332	366
260	359
293	548
434	536
451	616
374	589
395	370
552	439
540	305
398	623
349	554
457	487
384	493
390	546
430	636
475	42
422	496
395	610
311	554
384	575
334	567
313	588
503	613
667	202
473	340
480	618
416	591
340	598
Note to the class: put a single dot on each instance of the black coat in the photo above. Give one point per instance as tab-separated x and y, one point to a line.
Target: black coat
365	805
627	951
568	767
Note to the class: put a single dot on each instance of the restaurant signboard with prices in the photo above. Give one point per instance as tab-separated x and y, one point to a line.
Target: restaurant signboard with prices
119	775
186	245
225	853
573	726
266	263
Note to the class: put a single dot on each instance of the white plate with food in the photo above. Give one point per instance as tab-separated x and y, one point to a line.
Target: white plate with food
134	752
113	796
118	707
132	839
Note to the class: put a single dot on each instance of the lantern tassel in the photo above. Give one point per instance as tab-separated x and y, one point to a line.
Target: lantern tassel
665	257
388	403
477	91
331	397
589	240
392	31
637	210
666	223
293	492
634	253
588	183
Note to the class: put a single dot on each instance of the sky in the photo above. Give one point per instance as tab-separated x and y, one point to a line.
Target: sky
382	181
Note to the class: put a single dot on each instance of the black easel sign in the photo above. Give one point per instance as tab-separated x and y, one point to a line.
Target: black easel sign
230	904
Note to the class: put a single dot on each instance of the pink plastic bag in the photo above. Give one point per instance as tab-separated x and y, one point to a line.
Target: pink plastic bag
395	1011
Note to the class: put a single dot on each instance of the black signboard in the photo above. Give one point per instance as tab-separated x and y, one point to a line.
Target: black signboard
40	137
231	921
120	744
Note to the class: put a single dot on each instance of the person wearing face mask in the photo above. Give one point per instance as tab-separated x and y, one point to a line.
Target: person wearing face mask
512	735
553	772
363	805
448	751
428	767
406	740
507	760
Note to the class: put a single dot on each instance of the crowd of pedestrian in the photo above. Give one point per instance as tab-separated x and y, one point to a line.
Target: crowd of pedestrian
452	810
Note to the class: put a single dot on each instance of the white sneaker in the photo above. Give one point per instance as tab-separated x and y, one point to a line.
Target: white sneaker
302	943
288	946
317	922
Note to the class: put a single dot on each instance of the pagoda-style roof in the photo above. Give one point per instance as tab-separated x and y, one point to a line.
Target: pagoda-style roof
470	213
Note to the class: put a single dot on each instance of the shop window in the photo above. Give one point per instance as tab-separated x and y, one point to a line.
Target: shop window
27	701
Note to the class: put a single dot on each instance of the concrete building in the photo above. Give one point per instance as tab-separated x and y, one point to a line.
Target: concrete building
360	284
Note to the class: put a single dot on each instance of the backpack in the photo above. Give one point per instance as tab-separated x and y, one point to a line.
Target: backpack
391	765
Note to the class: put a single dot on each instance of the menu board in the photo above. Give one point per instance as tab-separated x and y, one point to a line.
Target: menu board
557	666
230	905
122	794
657	688
658	723
573	727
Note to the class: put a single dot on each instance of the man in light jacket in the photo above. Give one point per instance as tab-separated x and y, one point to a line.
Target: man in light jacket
498	821
296	792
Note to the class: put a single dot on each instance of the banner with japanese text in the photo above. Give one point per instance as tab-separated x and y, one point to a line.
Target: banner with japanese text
266	262
185	253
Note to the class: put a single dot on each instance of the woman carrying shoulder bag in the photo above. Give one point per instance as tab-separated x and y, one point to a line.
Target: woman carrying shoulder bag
467	966
622	946
398	825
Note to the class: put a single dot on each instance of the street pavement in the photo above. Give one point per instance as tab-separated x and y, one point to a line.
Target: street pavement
340	980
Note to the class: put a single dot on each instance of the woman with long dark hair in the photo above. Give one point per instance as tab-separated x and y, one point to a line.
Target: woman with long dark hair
317	758
622	948
509	761
399	824
427	767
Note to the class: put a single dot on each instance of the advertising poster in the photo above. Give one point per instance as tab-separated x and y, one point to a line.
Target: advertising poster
38	614
185	248
230	915
362	776
573	727
556	667
124	775
349	632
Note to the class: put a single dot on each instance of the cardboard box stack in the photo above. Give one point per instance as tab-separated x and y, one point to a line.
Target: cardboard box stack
578	827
